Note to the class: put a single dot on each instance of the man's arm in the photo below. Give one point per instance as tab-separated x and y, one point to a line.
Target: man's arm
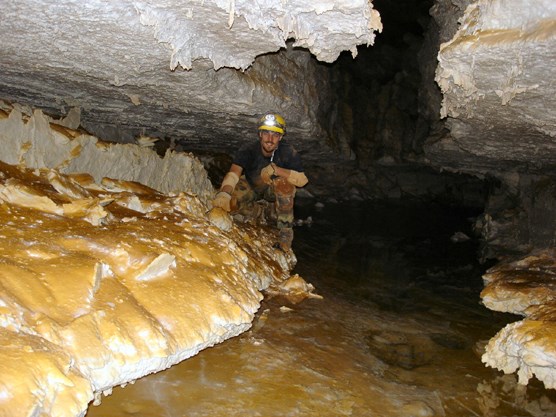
299	179
231	179
223	197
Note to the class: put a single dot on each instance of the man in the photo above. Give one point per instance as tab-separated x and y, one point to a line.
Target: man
272	170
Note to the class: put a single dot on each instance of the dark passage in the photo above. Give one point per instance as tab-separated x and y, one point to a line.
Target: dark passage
401	257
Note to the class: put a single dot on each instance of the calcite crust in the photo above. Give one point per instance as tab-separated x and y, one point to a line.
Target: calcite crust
105	281
527	287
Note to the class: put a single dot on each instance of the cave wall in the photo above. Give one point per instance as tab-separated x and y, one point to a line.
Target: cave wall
33	140
519	216
498	95
497	119
386	105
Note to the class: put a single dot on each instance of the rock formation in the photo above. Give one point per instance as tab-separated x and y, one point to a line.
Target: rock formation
498	102
181	72
526	287
513	107
105	280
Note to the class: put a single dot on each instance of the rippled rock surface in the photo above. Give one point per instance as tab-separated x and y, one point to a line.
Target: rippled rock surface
527	287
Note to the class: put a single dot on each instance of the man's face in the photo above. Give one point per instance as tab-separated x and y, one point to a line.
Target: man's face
269	141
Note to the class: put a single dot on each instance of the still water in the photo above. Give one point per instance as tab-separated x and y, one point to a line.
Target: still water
399	332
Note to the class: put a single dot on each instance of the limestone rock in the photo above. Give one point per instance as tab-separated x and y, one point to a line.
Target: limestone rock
295	289
51	387
143	283
526	347
269	24
183	72
525	286
220	218
514	286
496	78
33	142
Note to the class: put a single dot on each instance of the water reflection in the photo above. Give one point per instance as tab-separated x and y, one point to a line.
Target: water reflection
398	333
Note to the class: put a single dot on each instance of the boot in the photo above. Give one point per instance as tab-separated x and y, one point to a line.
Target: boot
286	239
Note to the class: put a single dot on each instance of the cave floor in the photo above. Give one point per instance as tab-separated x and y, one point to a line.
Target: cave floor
398	332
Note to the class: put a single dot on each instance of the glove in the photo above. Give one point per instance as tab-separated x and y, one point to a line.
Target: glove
267	173
222	200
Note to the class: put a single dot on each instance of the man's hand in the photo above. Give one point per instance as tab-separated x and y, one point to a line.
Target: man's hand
222	200
267	173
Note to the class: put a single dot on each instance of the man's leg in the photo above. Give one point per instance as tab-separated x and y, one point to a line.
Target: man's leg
243	200
285	195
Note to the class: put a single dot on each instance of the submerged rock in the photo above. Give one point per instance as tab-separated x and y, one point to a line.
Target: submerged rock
406	350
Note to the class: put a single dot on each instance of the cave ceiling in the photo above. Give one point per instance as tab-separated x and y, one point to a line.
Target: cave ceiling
198	74
185	72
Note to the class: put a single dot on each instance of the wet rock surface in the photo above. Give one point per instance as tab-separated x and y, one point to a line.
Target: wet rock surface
407	351
105	281
527	287
384	271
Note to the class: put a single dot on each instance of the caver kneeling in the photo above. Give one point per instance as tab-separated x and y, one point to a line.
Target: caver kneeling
269	169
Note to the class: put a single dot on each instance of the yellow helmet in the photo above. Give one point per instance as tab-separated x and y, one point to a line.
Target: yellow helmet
273	122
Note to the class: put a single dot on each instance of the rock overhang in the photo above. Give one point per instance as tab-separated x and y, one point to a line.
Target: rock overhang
498	92
184	72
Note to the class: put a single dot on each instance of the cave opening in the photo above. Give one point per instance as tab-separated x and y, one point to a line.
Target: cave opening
381	86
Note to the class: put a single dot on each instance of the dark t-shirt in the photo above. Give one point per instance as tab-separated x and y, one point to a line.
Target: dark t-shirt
252	160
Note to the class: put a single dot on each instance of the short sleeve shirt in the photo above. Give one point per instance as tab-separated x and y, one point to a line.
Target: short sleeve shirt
252	160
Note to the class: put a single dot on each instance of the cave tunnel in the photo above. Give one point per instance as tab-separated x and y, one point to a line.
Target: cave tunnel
420	277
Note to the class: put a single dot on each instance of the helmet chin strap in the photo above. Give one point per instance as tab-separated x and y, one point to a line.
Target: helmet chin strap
272	156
